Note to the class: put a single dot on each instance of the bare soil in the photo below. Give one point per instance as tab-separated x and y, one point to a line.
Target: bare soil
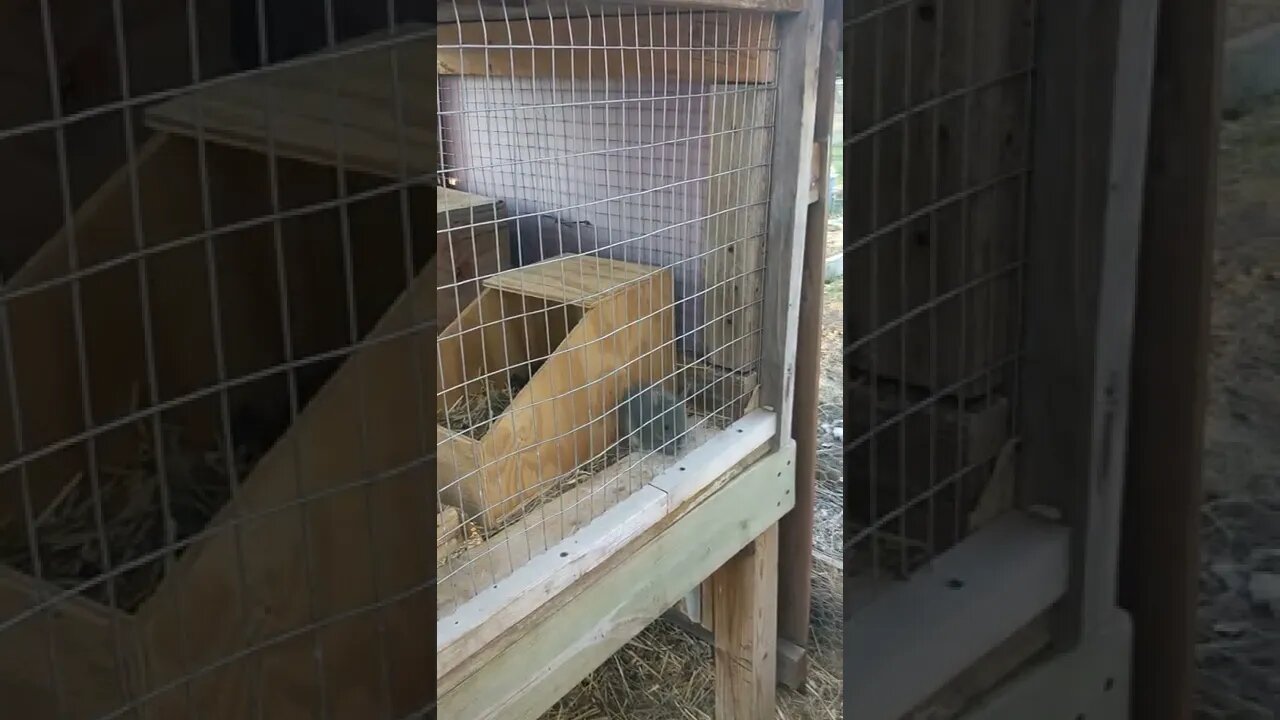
1246	15
1238	651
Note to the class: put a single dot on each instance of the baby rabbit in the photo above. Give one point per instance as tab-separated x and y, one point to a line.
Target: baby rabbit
652	419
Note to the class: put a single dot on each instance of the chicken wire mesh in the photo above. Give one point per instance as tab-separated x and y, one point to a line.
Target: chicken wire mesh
937	164
212	467
602	252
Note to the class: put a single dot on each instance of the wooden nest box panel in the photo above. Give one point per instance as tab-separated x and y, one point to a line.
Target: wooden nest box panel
471	243
309	591
570	335
237	585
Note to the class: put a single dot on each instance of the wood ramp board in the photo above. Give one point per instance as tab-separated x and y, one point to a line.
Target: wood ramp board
325	107
617	331
327	561
567	411
77	660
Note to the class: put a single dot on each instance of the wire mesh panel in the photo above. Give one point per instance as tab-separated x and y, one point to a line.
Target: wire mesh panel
937	161
213	462
603	188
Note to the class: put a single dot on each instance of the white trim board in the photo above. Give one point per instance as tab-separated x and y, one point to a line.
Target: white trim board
493	611
918	635
521	681
1090	681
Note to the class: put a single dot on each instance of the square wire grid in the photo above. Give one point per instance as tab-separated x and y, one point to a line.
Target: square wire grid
204	240
937	158
612	150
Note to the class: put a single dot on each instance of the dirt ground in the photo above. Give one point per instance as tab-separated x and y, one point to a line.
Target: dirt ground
1245	15
1239	628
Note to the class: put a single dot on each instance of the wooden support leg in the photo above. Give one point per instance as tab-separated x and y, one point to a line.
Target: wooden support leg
746	631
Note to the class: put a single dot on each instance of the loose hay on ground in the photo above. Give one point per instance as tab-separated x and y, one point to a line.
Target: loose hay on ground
666	673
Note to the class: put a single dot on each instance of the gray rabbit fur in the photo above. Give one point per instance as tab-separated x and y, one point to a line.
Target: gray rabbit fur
652	419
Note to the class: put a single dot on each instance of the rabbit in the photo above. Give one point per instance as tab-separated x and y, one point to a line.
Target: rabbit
652	419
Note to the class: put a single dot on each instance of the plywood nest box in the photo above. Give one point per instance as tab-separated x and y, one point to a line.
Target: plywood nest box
223	274
569	336
471	243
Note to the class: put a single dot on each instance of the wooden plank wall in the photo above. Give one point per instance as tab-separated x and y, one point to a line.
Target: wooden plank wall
78	660
938	99
739	126
937	133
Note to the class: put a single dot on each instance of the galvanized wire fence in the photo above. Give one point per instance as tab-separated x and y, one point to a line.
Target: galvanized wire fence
937	161
601	264
210	497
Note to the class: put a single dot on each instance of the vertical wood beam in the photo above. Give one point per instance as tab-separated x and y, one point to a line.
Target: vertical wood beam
746	631
798	37
1094	69
795	541
1160	543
